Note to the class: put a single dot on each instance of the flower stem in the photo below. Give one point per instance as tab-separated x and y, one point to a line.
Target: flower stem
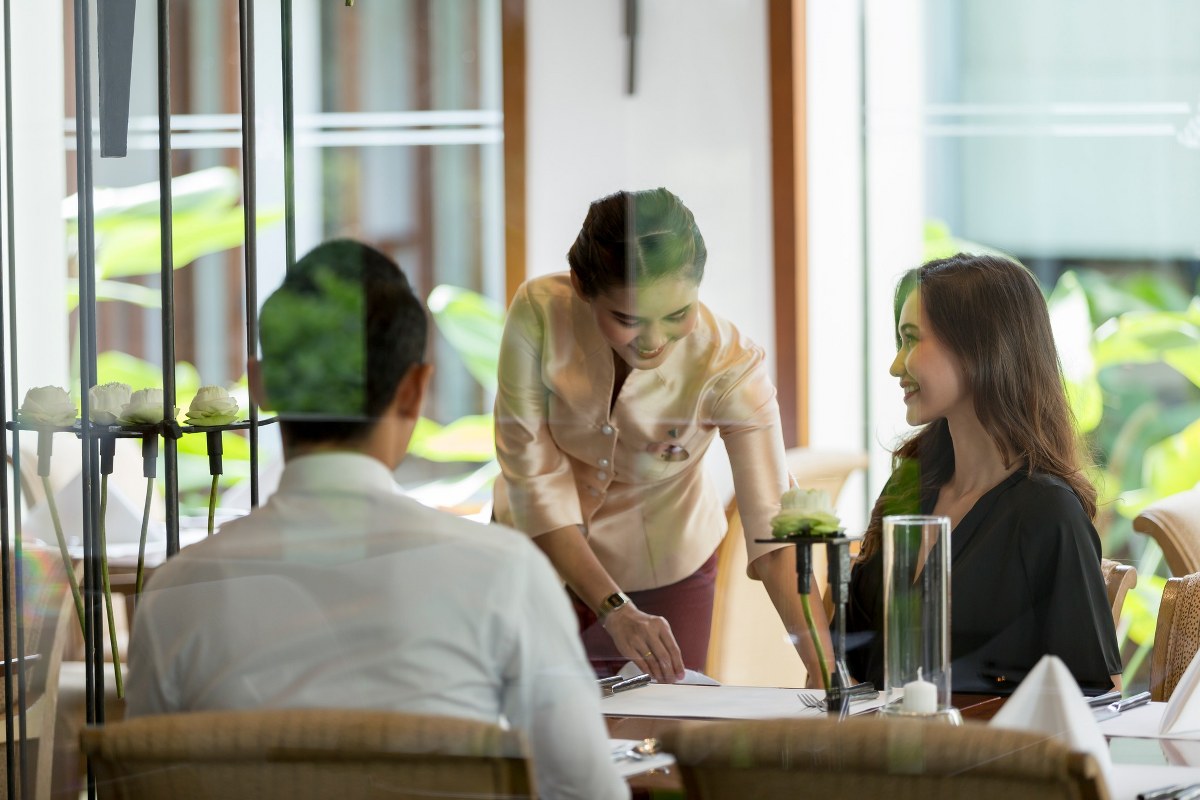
141	569
108	602
816	640
212	504
68	564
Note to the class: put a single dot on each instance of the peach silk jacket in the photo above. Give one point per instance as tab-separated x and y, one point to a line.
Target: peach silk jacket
566	460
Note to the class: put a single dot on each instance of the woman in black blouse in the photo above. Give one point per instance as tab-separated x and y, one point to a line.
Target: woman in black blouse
996	452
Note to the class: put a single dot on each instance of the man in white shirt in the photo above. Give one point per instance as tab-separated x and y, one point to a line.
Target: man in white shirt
340	592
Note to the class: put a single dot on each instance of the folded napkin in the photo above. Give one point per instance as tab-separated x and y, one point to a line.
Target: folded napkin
1050	701
1182	714
690	676
124	522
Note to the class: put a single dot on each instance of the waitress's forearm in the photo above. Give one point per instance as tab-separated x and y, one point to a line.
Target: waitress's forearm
777	570
570	554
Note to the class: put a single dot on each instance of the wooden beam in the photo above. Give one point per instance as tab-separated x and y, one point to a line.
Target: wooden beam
513	44
789	194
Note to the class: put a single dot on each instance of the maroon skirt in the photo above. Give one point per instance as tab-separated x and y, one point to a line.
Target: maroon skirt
687	605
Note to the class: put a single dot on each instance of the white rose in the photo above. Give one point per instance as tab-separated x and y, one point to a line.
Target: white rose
47	405
212	406
805	500
805	510
145	407
106	401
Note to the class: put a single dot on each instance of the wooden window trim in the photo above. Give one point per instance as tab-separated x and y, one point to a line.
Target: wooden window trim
513	45
789	196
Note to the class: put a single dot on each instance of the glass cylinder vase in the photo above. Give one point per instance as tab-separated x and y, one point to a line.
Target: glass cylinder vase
916	616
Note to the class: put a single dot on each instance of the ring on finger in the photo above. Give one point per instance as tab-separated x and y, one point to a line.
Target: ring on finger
649	654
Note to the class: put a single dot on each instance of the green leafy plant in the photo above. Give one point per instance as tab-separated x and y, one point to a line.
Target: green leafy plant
472	324
1135	391
207	218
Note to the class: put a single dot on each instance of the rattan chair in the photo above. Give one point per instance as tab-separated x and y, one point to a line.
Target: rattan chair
305	753
1118	580
1174	522
1176	634
896	759
749	645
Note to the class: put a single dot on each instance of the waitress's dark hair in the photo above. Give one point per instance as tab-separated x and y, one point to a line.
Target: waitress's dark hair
629	238
990	313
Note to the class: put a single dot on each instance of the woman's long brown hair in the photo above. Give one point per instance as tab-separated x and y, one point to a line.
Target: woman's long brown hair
990	313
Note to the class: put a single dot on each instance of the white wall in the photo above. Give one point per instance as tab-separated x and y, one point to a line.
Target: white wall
38	185
698	124
835	252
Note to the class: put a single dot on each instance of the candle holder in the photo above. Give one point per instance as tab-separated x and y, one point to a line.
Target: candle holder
837	547
916	618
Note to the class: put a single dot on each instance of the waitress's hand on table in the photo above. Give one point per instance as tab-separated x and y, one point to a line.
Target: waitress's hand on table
647	641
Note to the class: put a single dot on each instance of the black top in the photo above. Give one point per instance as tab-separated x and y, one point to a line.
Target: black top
1025	581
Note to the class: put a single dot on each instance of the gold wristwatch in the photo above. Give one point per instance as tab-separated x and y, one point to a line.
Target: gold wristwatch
612	603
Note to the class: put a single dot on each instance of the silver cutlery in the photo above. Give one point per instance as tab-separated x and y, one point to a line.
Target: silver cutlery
1102	700
643	749
818	701
1177	792
1114	709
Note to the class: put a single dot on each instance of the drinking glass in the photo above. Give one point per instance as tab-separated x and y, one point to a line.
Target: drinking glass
916	616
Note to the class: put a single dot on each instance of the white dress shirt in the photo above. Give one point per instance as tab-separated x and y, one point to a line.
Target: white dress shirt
340	592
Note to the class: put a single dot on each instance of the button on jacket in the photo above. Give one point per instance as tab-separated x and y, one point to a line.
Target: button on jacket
632	478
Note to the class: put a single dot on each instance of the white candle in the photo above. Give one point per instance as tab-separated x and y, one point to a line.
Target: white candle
920	696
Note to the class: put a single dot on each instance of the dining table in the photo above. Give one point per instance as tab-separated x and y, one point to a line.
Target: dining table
1142	760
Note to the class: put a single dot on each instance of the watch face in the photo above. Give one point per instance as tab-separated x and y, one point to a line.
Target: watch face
614	601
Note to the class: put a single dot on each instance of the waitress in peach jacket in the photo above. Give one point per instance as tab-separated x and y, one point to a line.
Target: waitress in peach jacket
614	379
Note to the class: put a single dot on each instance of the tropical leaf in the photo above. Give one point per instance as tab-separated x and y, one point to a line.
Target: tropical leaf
134	248
473	324
213	188
113	365
469	438
133	293
1141	608
233	446
1070	319
1144	337
1173	465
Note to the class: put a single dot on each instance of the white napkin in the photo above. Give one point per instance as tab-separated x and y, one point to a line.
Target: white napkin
1050	701
1182	714
690	676
124	522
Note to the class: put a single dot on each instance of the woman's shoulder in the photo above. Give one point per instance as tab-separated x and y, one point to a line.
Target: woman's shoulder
1046	502
724	342
1046	490
541	304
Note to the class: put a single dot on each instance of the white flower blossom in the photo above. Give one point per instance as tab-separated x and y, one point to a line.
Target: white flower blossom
212	406
47	405
145	407
805	510
106	401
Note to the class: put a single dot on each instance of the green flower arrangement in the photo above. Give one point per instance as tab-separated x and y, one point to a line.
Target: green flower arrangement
807	512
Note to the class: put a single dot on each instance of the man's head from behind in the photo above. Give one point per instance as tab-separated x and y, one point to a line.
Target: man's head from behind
342	345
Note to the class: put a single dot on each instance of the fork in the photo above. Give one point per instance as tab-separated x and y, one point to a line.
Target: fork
813	701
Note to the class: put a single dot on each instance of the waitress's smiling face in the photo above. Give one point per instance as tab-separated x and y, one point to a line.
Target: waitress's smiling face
643	322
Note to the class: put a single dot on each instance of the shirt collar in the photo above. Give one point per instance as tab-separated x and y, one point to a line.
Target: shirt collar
339	471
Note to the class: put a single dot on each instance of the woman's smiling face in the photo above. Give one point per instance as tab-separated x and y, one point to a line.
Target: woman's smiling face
929	375
642	323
